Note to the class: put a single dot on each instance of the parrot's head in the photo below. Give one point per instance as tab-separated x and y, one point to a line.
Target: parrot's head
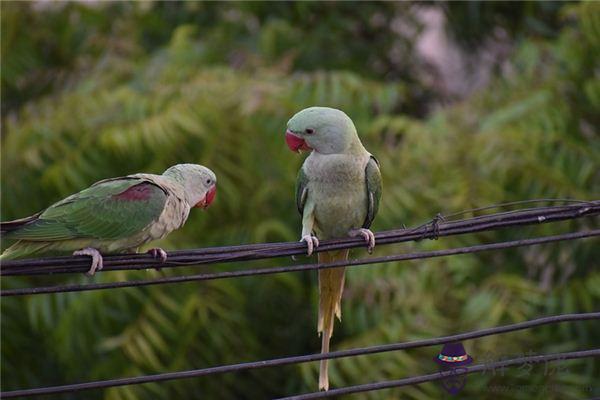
199	183
323	129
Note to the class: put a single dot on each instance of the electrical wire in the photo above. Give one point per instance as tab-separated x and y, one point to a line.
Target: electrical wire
432	230
296	268
300	359
439	226
415	380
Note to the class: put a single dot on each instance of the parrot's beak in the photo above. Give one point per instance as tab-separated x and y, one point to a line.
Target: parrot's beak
209	198
296	143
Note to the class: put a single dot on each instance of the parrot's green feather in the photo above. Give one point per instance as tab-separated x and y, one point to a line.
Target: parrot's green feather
373	179
338	190
22	249
97	212
301	190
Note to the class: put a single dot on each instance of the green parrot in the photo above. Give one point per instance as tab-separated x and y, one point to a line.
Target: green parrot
337	193
114	215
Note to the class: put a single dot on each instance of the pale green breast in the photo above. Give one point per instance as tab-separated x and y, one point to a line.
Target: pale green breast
337	188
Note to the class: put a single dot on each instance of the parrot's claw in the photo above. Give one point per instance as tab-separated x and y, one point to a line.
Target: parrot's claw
159	253
97	261
367	234
312	242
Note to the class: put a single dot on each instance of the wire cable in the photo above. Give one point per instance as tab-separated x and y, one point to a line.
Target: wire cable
515	203
415	380
213	255
297	268
301	359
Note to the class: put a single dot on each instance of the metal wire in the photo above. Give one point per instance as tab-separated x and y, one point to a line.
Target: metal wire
297	268
439	226
447	374
214	255
300	359
515	203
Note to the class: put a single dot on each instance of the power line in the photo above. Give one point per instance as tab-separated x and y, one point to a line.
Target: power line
213	255
446	374
514	203
438	227
300	359
297	268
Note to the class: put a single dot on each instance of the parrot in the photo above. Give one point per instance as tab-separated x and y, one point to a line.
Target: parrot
115	215
338	190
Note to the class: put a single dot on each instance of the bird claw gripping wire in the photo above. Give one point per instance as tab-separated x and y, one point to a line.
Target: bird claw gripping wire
97	260
312	242
158	254
367	235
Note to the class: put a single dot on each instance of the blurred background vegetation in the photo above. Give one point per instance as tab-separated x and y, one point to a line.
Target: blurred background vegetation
464	104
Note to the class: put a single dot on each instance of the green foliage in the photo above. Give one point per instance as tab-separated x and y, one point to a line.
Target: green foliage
530	134
376	40
471	23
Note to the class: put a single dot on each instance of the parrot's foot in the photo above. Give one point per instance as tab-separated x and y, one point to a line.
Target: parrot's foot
367	235
96	259
312	243
159	253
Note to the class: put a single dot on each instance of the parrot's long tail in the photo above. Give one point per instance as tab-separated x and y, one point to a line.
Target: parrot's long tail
9	226
20	248
23	249
331	286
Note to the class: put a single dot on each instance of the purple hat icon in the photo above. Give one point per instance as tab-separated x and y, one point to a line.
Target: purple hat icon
453	354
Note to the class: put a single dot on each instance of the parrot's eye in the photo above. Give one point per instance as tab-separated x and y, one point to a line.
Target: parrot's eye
309	131
208	181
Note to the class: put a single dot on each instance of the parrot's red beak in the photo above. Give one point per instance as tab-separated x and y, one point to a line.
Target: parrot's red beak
209	198
296	143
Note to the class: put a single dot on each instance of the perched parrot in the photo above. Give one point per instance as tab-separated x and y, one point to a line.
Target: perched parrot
337	193
114	215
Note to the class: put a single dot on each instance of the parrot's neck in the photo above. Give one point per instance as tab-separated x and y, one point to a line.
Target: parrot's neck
354	148
177	178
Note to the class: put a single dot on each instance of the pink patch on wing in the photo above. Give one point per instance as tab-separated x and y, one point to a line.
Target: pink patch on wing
143	191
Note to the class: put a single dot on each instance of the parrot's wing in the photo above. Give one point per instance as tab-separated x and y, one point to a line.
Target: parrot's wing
108	210
373	180
301	190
